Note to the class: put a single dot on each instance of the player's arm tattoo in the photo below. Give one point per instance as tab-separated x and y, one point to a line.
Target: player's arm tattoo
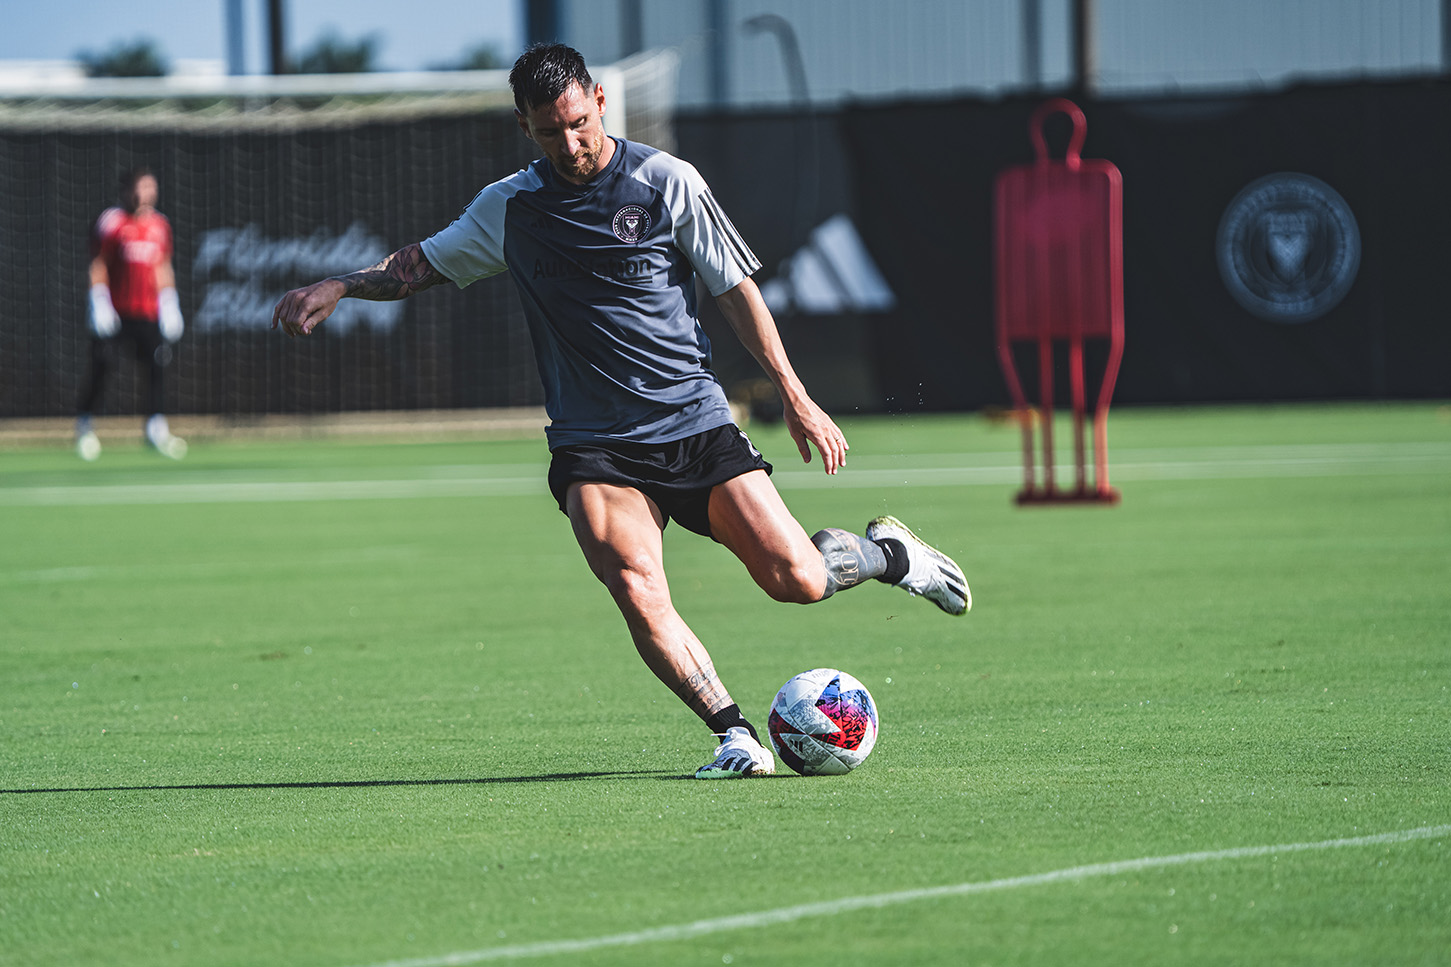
398	276
703	692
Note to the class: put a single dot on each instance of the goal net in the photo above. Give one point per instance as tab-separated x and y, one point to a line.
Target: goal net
270	183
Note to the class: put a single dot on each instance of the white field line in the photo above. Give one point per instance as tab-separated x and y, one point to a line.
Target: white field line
265	492
828	908
915	470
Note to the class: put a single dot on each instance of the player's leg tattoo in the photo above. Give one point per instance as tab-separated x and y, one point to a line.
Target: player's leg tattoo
703	692
850	559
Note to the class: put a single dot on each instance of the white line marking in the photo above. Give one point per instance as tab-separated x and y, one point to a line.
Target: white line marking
915	470
205	492
828	908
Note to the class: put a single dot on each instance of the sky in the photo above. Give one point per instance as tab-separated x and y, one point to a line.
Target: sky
412	35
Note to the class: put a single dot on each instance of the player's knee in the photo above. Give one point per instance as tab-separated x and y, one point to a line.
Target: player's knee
637	586
805	586
795	581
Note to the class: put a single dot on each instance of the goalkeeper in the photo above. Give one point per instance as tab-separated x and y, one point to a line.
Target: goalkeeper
605	239
132	301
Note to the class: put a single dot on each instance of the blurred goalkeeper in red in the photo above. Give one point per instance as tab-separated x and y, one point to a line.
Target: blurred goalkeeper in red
132	301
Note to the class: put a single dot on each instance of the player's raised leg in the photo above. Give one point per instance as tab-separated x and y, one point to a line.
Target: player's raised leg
748	516
619	530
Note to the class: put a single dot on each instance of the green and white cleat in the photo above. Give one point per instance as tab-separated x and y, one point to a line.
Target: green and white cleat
737	757
932	574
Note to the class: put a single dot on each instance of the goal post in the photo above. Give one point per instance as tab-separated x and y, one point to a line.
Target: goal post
269	183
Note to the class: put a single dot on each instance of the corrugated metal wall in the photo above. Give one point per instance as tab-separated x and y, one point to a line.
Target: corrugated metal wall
1147	46
873	50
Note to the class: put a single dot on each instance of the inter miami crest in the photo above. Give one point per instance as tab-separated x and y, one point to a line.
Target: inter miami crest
1288	248
631	223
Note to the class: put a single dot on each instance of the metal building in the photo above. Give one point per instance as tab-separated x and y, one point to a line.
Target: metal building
755	53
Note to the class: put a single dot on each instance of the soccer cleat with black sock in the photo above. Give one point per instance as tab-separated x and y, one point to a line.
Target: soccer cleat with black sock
930	573
737	757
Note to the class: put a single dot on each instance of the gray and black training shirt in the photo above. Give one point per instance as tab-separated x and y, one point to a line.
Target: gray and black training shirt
606	273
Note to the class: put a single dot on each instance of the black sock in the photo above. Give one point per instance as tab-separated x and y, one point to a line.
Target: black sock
897	563
728	718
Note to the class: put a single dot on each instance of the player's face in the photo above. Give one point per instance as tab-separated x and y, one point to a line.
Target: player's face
571	133
142	194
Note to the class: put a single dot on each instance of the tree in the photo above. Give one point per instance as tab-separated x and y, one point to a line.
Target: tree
137	58
331	54
480	57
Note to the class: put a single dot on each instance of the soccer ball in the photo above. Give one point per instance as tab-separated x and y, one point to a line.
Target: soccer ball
823	723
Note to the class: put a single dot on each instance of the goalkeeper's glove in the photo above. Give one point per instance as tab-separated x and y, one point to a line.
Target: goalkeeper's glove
101	317
169	318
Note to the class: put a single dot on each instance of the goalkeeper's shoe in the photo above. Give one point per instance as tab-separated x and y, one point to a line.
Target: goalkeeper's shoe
158	435
737	757
930	573
88	445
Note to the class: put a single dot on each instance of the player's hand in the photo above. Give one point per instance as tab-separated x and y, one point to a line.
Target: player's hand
810	426
169	319
301	310
101	314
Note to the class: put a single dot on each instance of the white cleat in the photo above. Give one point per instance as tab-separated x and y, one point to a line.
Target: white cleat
158	435
737	757
932	574
168	446
88	445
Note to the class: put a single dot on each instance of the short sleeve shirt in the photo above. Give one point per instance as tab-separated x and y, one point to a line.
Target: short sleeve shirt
606	273
133	248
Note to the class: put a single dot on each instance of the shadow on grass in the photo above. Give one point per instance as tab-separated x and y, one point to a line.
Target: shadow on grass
349	783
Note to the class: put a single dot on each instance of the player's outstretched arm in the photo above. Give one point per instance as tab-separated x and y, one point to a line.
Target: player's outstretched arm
398	276
809	425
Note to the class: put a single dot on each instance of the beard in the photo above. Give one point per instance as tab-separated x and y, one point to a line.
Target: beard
585	164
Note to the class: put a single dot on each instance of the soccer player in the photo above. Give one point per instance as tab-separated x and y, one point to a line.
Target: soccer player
605	239
132	300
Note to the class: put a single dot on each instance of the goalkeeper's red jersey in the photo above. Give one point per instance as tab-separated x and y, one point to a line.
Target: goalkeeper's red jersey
133	247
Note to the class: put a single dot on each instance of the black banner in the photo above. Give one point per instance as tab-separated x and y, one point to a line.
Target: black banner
1276	247
1343	235
253	214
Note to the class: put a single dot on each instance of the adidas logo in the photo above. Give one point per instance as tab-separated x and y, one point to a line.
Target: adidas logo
832	274
951	580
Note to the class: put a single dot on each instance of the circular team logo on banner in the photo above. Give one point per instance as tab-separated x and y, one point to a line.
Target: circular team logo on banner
631	223
1288	247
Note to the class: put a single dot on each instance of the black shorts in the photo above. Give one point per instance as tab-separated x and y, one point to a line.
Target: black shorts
677	476
144	335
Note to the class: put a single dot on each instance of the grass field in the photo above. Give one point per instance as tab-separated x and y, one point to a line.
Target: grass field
327	704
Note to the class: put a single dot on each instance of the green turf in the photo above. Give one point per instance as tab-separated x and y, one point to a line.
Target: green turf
243	725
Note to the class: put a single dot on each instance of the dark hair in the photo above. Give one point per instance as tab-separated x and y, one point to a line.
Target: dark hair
130	176
544	72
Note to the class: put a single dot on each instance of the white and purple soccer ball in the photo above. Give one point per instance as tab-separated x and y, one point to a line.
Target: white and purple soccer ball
823	723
